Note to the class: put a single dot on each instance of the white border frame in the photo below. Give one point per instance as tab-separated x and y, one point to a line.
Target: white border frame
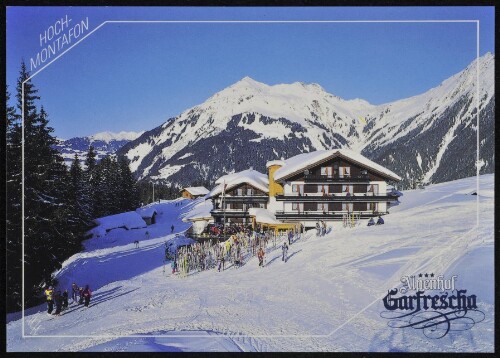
478	165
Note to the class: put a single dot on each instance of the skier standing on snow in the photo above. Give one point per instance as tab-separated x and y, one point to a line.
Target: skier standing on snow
80	293
172	229
87	293
174	266
58	302
290	236
221	261
260	255
284	249
65	299
324	227
74	291
50	302
317	229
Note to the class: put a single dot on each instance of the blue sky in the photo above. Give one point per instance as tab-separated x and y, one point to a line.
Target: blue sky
134	76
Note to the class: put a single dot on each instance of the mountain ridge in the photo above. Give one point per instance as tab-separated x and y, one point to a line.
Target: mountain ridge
287	119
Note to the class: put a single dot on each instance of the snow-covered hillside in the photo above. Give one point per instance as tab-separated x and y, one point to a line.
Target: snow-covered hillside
104	143
327	297
411	137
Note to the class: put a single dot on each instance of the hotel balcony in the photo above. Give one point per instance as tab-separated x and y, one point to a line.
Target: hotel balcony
318	197
325	215
364	178
230	213
245	199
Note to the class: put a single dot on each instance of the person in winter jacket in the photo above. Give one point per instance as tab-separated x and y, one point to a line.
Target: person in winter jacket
174	266
87	293
50	302
290	237
284	249
380	221
58	302
371	222
65	299
260	255
172	229
80	293
318	229
74	291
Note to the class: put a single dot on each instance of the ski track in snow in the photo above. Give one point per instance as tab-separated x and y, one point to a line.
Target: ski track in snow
329	284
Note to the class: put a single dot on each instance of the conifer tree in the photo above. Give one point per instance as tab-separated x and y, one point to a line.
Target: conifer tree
129	195
13	203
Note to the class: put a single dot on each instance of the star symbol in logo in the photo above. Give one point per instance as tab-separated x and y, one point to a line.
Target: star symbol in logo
420	275
432	275
426	275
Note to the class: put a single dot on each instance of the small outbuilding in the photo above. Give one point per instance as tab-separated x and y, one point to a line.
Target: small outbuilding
148	214
194	192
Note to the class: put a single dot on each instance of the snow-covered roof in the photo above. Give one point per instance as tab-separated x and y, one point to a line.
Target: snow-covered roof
197	190
307	160
199	212
146	211
128	220
263	216
275	162
249	176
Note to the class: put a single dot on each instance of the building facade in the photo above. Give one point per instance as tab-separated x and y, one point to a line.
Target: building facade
236	193
330	185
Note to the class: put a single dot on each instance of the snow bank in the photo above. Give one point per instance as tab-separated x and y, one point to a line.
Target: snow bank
199	212
263	216
128	220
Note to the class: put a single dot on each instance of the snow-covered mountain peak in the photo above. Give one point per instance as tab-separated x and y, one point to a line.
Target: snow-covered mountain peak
287	119
109	136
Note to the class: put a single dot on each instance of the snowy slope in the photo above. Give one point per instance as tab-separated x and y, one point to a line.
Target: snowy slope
327	297
411	137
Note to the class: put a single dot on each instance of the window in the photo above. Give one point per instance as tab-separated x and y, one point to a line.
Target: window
240	192
372	189
347	189
298	188
373	207
323	189
297	207
228	206
327	171
345	172
322	207
250	191
347	207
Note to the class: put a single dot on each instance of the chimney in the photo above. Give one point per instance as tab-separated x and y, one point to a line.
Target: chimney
274	187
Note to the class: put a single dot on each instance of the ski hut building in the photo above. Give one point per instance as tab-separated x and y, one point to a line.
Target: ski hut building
236	193
148	214
328	185
194	192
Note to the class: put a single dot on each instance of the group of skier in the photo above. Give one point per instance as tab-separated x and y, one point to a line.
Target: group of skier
60	300
238	249
320	228
380	221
